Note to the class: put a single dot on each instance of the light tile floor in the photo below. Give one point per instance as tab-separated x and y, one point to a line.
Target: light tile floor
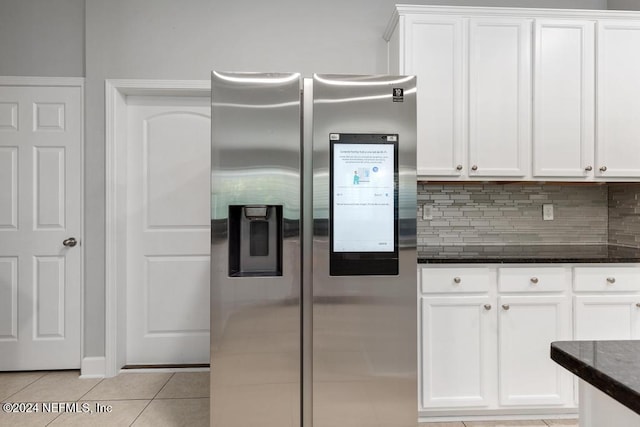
140	400
136	399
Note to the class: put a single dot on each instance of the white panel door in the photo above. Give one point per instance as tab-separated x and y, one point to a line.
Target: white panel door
457	352
499	97
40	207
618	109
435	48
527	325
168	230
564	99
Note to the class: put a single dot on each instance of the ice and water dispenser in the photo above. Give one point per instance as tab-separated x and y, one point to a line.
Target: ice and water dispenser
255	241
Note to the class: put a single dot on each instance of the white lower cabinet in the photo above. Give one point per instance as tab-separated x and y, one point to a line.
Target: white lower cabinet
485	337
457	349
607	302
527	325
486	330
607	317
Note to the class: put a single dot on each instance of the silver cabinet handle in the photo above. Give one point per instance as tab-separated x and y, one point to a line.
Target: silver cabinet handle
488	306
603	169
459	167
474	167
589	168
70	242
611	280
506	306
457	279
534	280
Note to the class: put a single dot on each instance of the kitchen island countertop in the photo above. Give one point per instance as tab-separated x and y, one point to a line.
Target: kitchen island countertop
612	367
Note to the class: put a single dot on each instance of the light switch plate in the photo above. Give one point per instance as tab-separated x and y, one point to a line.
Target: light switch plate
547	212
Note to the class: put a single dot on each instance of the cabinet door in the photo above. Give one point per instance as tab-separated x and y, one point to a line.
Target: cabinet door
618	108
563	99
607	317
527	325
434	52
499	97
457	351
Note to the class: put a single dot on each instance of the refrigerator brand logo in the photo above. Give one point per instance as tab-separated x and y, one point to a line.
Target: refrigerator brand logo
398	94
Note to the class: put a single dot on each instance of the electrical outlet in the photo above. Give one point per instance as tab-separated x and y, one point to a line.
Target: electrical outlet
426	212
547	212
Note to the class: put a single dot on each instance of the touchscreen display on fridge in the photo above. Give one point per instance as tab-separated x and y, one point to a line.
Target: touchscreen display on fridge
364	204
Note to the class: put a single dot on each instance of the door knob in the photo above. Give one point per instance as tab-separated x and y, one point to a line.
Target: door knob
506	306
70	242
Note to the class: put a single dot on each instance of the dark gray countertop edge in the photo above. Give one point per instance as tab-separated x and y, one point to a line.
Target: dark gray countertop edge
528	254
598	379
482	260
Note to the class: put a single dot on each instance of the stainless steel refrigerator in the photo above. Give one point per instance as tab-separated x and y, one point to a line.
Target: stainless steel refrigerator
313	250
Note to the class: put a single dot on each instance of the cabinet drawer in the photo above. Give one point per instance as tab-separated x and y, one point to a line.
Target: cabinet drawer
534	279
455	280
606	279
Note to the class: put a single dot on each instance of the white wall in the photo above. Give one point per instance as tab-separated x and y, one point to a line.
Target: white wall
172	39
42	38
623	4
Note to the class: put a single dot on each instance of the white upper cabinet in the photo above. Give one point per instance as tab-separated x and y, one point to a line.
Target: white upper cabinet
499	97
522	94
564	86
435	51
618	108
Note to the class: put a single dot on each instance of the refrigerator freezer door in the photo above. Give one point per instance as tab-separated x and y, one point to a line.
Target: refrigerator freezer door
255	300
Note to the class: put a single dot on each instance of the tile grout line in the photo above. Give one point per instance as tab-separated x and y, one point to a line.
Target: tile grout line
151	400
163	386
89	391
32	382
78	399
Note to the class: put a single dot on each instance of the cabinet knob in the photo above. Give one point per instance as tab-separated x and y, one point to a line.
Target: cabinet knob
603	169
534	280
488	306
459	167
506	306
638	304
457	280
611	280
474	167
589	168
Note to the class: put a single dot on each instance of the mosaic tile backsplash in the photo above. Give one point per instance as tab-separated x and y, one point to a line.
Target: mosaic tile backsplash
511	214
624	214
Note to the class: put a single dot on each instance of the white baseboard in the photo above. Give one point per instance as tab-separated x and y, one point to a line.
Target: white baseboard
160	370
92	367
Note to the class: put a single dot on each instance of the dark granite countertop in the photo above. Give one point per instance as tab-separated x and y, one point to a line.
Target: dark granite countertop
612	367
476	254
